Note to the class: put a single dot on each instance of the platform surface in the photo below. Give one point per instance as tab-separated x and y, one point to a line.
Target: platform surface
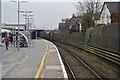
26	62
53	67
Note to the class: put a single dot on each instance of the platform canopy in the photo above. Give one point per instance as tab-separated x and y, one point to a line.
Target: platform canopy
5	30
12	25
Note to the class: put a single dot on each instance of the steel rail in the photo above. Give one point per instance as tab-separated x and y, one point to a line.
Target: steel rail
114	58
103	54
70	69
95	71
110	53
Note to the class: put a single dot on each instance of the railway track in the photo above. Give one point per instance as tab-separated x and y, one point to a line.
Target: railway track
113	57
72	74
108	55
98	74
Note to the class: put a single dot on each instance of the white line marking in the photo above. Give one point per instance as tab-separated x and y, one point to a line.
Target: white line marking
52	50
51	46
63	67
20	64
54	67
5	71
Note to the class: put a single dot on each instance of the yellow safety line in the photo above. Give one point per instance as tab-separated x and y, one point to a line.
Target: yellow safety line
94	52
103	57
105	54
41	65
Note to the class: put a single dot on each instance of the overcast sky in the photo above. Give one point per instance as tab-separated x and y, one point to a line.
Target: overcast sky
59	0
47	14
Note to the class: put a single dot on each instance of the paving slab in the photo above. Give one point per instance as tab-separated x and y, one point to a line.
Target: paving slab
23	63
26	62
53	67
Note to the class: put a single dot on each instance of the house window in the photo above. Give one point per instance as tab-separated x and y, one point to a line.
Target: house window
102	20
107	19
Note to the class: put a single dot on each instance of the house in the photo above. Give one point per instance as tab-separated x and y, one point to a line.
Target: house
97	18
72	23
75	22
62	26
110	13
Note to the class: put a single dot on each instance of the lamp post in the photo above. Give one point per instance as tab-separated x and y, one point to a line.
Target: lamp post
18	25
27	20
29	24
26	15
0	21
0	42
18	10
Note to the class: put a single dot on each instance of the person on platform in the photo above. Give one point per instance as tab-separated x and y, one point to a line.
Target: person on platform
11	38
6	41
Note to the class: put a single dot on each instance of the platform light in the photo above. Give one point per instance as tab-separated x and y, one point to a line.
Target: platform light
18	3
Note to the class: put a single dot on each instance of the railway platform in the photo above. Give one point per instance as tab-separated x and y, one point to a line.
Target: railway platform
53	67
40	60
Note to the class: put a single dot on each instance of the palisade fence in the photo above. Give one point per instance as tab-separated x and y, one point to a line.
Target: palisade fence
105	37
77	37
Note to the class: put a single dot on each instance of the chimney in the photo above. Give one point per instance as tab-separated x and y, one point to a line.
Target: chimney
73	16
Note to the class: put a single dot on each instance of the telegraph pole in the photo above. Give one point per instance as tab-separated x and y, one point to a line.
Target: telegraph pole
0	20
0	40
18	25
18	40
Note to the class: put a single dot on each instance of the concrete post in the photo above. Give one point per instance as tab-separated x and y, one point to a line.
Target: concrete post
0	41
36	33
119	37
18	25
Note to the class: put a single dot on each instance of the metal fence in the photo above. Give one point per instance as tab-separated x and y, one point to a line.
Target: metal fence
106	37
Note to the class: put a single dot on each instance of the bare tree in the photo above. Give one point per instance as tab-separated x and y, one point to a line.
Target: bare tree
89	6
